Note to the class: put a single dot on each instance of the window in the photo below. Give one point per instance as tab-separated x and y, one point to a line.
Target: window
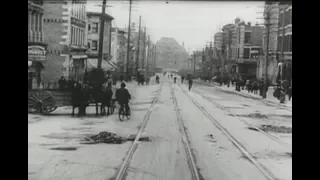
89	27
95	27
247	37
94	45
279	43
290	16
281	19
88	45
71	35
238	53
290	46
246	53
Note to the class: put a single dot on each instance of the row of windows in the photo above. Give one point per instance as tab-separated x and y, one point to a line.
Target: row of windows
94	45
285	18
93	28
78	10
77	36
287	45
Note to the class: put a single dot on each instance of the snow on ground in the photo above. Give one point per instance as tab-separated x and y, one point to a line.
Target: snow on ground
85	162
252	111
269	99
216	156
164	157
269	153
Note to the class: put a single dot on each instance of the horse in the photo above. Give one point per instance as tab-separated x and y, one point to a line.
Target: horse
79	98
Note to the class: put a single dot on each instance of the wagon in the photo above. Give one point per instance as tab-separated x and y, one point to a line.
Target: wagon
44	101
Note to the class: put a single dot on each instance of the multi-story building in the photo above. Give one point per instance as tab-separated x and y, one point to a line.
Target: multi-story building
280	50
229	63
93	38
285	43
218	40
249	44
36	45
118	48
65	28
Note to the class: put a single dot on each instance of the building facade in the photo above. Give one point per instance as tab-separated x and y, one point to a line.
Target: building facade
249	45
118	48
229	63
218	40
280	49
93	38
36	45
65	28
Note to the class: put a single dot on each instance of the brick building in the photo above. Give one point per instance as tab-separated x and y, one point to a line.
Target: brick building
229	63
280	52
65	28
218	40
36	45
249	45
93	37
119	48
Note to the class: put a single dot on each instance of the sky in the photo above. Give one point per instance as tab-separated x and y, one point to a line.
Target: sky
191	22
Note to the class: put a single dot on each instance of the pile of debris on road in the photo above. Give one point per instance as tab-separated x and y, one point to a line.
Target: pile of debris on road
104	137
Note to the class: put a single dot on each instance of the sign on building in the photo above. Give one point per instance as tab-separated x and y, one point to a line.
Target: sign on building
36	53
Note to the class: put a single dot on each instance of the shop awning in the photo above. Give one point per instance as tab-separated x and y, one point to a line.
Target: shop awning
105	65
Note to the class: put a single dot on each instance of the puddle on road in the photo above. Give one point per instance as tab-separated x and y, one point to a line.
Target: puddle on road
276	129
139	109
140	103
253	115
253	129
65	148
65	136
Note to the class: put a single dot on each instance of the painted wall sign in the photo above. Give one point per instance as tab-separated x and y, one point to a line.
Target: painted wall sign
78	22
36	53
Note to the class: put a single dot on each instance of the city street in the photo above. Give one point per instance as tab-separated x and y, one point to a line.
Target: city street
205	133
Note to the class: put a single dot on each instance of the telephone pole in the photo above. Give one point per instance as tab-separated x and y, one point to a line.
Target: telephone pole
144	47
128	43
194	64
138	50
268	24
101	35
148	53
155	56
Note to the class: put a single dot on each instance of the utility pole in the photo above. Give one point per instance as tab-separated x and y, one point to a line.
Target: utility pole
148	52
101	35
128	43
155	56
268	24
138	50
144	47
194	64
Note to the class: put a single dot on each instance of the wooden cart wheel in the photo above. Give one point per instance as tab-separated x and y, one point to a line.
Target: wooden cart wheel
41	102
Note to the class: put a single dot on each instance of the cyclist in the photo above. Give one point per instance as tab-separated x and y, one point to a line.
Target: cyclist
182	78
123	96
157	79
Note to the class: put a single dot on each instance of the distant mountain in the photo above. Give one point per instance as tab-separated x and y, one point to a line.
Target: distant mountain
170	54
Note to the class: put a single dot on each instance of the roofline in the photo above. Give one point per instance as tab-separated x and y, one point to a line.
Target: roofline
99	14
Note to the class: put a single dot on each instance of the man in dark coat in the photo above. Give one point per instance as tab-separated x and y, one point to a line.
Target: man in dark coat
123	96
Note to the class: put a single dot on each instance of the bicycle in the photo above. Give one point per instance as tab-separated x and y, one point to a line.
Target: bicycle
123	112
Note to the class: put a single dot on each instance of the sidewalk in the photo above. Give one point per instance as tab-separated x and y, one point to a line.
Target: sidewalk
269	99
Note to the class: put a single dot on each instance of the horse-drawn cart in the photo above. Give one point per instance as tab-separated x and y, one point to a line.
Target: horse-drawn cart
44	101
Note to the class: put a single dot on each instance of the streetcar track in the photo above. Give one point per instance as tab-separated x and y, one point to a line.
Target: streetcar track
282	143
121	173
241	147
252	98
192	165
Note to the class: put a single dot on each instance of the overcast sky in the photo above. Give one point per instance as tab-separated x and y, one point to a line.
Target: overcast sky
193	23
